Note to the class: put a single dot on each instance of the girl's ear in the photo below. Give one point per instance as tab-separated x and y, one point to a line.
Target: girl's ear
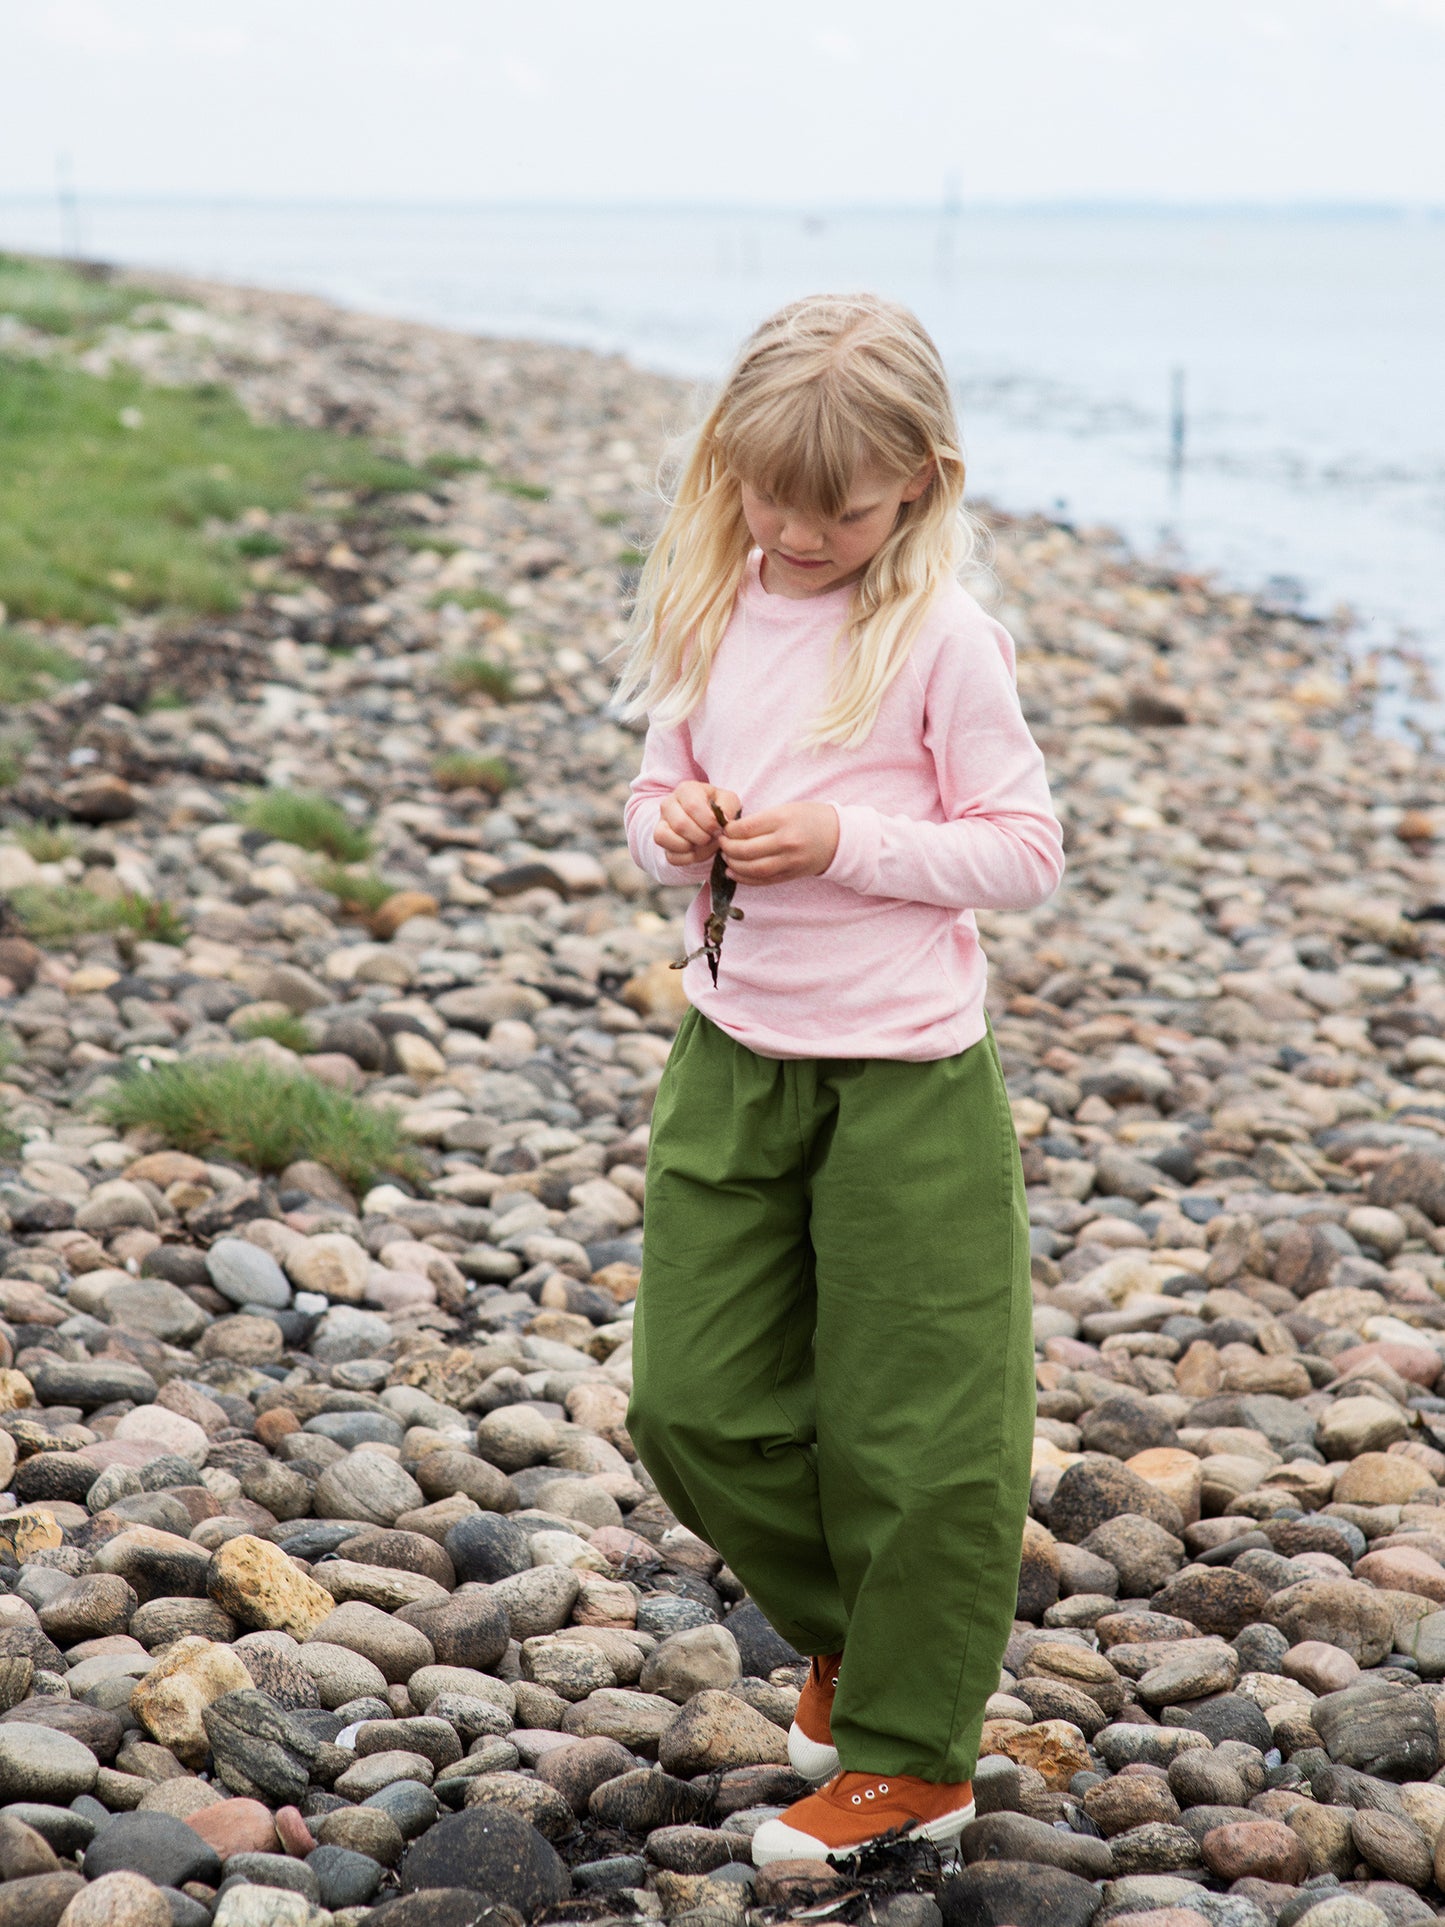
919	482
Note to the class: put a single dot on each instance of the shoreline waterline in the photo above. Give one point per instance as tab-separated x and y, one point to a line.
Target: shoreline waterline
1311	467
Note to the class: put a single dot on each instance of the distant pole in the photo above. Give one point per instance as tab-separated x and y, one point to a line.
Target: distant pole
1176	426
69	202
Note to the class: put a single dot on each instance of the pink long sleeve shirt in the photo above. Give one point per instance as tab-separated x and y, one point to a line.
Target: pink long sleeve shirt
942	811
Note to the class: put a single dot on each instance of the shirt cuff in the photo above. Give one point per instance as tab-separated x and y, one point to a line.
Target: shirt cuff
860	846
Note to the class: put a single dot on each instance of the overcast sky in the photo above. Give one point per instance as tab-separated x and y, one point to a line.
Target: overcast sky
753	101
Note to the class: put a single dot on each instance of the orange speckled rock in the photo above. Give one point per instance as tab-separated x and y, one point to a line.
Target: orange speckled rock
236	1826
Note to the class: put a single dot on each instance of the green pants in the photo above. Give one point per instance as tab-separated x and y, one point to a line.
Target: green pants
833	1367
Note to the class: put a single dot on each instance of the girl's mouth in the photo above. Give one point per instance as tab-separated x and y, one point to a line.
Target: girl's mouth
798	562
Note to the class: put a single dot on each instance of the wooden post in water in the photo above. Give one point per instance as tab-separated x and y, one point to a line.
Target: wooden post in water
1176	426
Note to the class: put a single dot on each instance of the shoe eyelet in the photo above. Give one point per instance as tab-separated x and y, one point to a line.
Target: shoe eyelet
856	1801
883	1786
869	1794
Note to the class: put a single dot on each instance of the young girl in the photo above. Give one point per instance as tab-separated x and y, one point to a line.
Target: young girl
833	1360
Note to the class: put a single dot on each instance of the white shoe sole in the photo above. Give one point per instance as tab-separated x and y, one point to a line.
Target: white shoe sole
775	1840
810	1759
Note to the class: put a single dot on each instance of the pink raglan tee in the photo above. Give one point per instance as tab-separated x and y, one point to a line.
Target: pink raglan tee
942	811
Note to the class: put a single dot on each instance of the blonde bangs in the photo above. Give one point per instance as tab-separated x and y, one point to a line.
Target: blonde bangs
828	386
798	446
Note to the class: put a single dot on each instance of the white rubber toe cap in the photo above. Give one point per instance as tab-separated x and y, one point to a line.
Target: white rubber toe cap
808	1758
775	1841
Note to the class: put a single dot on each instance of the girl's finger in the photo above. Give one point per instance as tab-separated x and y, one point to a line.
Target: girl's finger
763	823
682	823
764	862
767	843
700	812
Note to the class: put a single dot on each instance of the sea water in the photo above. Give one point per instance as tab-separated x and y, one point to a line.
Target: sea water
1305	346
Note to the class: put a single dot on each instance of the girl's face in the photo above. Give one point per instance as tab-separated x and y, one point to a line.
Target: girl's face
804	555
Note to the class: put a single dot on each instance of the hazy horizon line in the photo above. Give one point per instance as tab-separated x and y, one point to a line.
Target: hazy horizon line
1097	205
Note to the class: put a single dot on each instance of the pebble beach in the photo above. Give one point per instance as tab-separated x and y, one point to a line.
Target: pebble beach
331	1590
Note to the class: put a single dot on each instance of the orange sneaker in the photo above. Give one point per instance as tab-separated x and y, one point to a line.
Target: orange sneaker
811	1752
854	1809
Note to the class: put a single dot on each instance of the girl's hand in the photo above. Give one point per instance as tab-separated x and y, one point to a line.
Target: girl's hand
774	846
687	830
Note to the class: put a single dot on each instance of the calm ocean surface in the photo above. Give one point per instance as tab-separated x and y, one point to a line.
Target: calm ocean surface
1310	345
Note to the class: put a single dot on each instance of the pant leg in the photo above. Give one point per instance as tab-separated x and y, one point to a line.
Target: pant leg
925	1396
722	1408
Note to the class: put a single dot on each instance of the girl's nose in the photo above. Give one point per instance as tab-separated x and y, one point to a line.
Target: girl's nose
799	538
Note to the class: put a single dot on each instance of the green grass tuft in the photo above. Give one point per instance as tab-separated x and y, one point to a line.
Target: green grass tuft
164	698
52	916
524	491
631	558
472	599
47	842
260	1115
476	676
445	466
610	518
97	517
282	1027
310	822
15	746
360	891
29	668
63	301
465	770
259	542
423	538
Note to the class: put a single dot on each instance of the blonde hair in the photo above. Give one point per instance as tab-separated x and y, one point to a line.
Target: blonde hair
826	386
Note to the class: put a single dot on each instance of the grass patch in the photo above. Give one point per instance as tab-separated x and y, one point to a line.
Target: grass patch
310	822
465	770
97	516
472	599
15	746
476	676
631	558
47	842
524	491
610	518
259	542
261	1116
361	891
445	466
282	1027
63	301
52	916
419	539
164	698
29	668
